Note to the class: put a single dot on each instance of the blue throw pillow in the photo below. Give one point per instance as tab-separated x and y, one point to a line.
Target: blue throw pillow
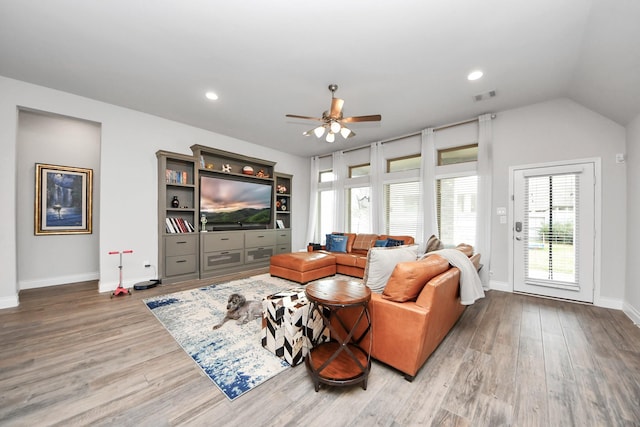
338	243
394	242
327	246
380	243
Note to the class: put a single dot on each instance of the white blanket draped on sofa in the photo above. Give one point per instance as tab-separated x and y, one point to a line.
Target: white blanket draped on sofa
470	284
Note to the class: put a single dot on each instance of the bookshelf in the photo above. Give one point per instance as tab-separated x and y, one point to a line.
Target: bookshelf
282	205
177	217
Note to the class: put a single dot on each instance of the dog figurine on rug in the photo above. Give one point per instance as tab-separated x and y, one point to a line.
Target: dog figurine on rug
238	308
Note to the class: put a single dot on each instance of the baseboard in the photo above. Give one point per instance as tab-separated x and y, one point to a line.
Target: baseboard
8	302
632	313
60	280
500	286
605	302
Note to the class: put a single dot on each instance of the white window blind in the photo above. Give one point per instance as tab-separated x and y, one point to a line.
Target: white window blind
550	228
456	209
401	208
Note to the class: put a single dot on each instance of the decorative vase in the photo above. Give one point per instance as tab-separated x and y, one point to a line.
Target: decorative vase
175	202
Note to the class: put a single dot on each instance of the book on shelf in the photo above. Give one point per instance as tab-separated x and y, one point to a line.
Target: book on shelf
178	225
176	177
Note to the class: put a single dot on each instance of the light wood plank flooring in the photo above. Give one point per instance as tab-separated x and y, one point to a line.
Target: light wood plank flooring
72	356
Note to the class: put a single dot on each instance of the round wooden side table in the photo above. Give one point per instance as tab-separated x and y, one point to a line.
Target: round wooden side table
343	360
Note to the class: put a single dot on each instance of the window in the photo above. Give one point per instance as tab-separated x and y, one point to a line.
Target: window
403	164
360	170
401	208
327	176
452	156
456	209
358	210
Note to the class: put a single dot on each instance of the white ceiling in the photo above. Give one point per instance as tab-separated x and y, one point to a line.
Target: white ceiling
405	60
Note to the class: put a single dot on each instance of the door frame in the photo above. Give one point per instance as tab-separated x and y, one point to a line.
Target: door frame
597	202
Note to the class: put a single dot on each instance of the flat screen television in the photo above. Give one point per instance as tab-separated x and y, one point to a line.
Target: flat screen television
234	203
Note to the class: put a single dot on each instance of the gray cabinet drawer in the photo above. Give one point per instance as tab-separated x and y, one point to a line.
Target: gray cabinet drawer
180	245
223	241
222	259
259	238
259	254
283	236
283	248
177	265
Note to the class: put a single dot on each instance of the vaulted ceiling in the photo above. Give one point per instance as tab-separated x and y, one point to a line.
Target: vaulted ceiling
405	60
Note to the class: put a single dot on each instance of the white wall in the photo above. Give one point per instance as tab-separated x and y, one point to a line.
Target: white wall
46	260
563	130
632	291
128	196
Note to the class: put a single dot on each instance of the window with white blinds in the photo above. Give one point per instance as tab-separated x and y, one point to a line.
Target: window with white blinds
402	214
358	210
550	228
456	209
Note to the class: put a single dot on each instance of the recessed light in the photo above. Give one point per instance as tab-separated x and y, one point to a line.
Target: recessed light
474	75
211	95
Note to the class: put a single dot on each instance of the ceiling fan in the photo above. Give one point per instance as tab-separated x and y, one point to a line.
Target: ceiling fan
332	120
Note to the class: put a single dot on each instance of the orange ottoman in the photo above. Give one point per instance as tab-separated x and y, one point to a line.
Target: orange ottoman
303	267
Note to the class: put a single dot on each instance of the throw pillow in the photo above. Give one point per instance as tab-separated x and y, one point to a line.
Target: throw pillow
433	244
337	243
408	278
380	243
394	242
363	242
382	261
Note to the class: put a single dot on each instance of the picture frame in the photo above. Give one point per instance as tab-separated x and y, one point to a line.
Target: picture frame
63	200
280	223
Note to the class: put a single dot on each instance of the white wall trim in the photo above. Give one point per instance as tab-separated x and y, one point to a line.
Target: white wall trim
8	302
495	285
605	302
632	313
60	280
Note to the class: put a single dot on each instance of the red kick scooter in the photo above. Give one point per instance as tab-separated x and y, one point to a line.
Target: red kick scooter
121	290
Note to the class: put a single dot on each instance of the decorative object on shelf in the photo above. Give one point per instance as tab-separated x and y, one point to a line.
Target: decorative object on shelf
209	166
247	170
226	167
203	221
283	204
175	203
280	223
64	197
261	174
281	189
202	162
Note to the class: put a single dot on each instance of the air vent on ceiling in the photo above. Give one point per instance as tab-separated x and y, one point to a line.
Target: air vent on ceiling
483	96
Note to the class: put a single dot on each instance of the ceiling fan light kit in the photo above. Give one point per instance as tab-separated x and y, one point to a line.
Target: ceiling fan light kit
333	121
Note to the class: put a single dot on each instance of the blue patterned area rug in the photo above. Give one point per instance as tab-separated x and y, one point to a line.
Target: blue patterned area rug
232	356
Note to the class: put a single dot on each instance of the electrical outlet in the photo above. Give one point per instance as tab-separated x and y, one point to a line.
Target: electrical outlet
146	264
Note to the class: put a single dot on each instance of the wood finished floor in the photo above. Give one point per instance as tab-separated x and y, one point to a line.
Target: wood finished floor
72	356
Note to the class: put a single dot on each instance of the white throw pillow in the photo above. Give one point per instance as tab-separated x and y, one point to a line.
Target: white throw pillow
382	261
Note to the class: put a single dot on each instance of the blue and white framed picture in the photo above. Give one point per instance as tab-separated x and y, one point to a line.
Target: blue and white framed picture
63	200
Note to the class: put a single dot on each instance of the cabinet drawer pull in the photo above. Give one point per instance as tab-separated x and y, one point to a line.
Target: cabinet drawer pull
223	253
260	237
180	243
182	260
224	238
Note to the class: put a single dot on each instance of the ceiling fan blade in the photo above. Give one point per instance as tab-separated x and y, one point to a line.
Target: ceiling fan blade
295	116
336	107
372	118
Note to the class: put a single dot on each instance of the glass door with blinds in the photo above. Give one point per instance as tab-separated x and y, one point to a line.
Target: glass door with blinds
553	231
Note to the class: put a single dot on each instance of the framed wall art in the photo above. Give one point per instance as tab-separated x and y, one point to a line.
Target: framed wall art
63	202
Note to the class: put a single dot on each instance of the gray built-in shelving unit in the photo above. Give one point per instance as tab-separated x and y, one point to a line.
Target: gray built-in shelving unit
189	252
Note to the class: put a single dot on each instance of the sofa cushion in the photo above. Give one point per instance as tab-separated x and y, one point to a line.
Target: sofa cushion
382	261
408	278
337	243
433	244
394	242
364	242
